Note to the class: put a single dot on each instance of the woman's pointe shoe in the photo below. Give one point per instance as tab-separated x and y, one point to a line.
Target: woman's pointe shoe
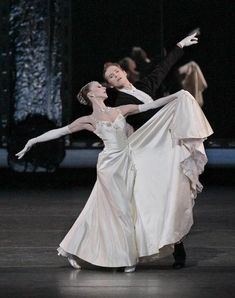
74	263
129	269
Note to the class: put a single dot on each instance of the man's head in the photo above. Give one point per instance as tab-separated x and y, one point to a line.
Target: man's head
115	75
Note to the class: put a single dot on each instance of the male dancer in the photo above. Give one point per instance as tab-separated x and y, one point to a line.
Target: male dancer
145	91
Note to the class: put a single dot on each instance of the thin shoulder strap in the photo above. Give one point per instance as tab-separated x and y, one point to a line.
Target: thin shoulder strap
119	110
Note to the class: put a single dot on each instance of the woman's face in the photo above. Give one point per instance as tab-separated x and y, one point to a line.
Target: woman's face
98	91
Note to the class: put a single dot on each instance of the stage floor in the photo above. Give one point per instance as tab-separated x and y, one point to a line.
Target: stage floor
34	219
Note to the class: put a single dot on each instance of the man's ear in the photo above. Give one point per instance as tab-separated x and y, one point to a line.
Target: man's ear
125	73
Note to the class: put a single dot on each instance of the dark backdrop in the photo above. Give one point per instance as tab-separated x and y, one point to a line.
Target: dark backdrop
104	30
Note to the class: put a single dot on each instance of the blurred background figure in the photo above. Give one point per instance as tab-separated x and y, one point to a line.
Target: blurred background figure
129	65
143	64
192	80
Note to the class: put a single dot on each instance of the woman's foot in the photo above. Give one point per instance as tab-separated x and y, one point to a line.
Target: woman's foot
129	269
73	263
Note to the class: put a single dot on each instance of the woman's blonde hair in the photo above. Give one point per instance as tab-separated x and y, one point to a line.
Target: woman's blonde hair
82	94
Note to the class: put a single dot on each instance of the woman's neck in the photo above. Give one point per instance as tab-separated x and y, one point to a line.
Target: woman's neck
98	106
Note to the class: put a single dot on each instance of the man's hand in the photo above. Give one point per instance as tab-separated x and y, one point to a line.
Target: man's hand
188	41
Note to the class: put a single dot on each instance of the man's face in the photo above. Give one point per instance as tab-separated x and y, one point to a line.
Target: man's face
116	77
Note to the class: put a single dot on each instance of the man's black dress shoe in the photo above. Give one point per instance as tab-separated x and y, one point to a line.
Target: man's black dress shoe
179	256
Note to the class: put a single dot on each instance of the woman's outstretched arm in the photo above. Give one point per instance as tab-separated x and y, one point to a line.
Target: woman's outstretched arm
134	109
79	124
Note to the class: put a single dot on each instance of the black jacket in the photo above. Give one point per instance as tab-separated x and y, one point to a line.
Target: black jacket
149	85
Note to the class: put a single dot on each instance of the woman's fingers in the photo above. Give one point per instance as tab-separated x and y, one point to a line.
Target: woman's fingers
20	156
22	152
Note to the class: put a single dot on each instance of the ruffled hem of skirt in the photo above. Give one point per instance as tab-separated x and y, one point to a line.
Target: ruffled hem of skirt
194	164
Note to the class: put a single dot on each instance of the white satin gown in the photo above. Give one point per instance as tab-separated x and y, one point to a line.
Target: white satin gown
142	201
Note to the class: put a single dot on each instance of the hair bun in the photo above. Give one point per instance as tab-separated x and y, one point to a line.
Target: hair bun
81	99
82	95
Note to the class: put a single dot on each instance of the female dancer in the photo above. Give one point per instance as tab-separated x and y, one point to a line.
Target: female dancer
109	231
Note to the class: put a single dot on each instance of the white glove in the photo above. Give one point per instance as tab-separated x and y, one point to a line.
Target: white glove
50	135
159	102
27	147
188	41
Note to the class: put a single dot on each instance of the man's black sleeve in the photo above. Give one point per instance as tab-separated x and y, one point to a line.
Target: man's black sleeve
152	82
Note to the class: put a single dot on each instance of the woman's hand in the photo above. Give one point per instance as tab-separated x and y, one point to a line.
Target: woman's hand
26	148
47	136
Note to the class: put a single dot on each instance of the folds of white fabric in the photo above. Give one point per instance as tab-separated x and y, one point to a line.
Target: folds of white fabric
143	198
169	155
104	234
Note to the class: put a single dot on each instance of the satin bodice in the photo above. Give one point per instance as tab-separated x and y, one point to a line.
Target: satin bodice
113	134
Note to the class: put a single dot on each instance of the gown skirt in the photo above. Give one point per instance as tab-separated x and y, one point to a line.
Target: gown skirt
142	201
